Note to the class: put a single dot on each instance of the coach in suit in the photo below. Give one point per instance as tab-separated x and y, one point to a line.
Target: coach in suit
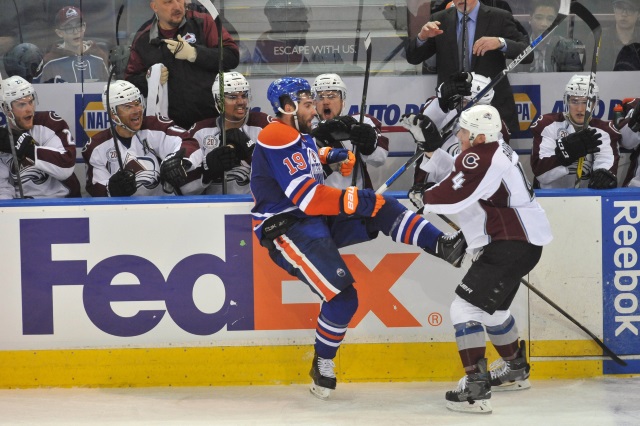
493	35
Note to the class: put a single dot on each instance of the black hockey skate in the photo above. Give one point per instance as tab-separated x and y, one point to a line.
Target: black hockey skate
473	392
452	247
324	379
511	375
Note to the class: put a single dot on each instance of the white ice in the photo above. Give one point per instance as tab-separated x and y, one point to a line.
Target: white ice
598	402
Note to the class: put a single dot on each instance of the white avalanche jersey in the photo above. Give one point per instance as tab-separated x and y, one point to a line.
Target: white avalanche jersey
376	159
207	133
630	140
489	192
157	138
51	174
548	171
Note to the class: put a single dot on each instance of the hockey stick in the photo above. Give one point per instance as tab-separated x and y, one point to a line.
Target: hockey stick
563	12
593	24
608	352
356	44
363	106
112	126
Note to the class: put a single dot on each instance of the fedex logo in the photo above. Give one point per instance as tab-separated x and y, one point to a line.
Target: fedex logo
253	290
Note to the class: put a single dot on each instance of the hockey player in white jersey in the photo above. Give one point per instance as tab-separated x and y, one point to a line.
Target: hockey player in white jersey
561	139
505	228
344	131
45	149
241	127
440	110
156	153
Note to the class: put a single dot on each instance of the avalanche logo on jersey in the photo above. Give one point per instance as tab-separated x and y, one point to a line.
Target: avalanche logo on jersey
470	160
189	38
315	165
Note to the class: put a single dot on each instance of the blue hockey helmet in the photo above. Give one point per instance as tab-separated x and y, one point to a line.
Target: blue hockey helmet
286	86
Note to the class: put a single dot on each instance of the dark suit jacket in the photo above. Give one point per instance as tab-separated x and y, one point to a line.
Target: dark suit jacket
492	22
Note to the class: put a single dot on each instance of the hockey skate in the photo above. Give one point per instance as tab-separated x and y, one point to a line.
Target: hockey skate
473	392
452	247
511	375
324	379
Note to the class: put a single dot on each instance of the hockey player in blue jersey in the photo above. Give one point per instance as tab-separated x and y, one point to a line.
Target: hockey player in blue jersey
294	214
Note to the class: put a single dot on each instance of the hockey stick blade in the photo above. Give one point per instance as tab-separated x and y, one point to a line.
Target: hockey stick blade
608	352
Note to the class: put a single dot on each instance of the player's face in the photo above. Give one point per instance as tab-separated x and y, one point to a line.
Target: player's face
23	111
169	12
470	5
329	104
306	113
577	108
131	114
72	34
236	105
463	137
541	19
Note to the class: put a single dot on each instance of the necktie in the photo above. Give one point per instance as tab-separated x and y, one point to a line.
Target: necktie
463	43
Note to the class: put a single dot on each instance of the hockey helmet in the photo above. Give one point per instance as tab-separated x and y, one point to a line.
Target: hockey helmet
291	87
329	82
482	120
578	85
478	84
568	55
24	60
14	88
233	82
121	92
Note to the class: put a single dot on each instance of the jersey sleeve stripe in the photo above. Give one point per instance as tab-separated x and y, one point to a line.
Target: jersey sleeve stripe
296	258
302	190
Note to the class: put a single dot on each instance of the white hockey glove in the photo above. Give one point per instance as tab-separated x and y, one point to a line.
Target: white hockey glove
423	130
181	49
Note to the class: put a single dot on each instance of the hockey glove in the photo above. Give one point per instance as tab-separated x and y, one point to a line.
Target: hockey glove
122	184
603	179
25	147
5	142
634	119
450	93
361	202
423	130
416	192
365	138
576	145
334	130
241	142
173	169
181	49
341	156
587	165
220	160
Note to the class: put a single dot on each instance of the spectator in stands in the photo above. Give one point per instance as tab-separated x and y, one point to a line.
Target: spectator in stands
24	60
543	14
629	58
493	37
623	33
75	60
185	43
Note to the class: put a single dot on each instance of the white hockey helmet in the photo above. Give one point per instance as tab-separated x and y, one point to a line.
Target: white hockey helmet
482	120
329	82
478	84
121	92
14	88
233	82
578	85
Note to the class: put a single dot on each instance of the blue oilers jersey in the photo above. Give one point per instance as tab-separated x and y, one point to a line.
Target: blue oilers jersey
285	172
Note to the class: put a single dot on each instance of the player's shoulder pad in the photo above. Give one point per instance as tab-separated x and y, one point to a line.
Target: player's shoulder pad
207	123
164	124
259	119
477	159
278	135
51	120
544	120
607	127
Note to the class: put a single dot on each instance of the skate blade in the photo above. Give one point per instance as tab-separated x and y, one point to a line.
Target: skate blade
319	391
514	386
480	406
